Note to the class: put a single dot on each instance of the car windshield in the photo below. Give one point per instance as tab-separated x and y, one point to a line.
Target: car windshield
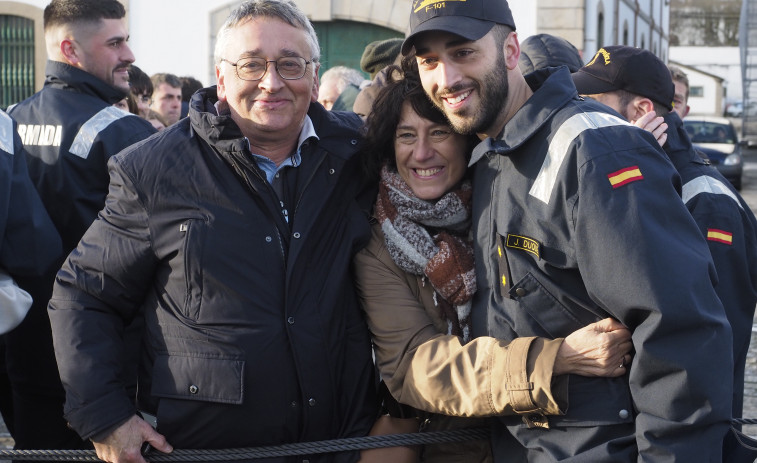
710	132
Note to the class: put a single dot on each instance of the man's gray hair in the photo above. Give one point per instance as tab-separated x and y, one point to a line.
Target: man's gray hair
342	76
285	10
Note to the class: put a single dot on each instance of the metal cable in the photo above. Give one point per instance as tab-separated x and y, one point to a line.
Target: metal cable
301	448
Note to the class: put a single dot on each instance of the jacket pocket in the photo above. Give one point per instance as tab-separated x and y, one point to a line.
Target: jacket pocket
202	379
596	402
557	318
195	231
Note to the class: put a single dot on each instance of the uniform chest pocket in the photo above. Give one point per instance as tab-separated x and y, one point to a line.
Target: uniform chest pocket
556	317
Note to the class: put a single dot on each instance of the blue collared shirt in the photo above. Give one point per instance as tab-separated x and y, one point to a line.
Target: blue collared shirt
270	168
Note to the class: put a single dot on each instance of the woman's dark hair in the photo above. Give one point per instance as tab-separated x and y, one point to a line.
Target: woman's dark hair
139	82
402	85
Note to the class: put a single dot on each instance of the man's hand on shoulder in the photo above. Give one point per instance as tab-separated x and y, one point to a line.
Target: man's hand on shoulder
124	444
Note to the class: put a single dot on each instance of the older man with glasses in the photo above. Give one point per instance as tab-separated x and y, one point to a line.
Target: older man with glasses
233	233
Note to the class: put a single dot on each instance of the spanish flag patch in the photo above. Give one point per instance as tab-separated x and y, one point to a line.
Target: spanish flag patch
625	176
720	236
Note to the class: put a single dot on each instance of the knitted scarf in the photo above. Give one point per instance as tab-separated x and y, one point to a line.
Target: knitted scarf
432	239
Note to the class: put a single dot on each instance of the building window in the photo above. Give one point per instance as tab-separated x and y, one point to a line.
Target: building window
696	92
625	32
643	42
600	30
16	59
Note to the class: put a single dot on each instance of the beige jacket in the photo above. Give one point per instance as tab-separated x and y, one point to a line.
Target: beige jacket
432	371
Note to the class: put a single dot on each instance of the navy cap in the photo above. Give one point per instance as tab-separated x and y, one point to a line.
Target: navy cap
471	19
626	68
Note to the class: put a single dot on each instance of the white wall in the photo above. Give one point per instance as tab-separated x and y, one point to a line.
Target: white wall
723	62
710	103
172	36
524	14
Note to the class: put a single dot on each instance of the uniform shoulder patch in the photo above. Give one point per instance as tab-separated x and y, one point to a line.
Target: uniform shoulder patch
720	236
625	176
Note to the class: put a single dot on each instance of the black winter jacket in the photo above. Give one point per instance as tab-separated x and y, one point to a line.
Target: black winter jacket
253	330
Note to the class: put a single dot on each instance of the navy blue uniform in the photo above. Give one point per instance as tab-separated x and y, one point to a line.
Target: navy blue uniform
69	129
578	217
730	228
29	243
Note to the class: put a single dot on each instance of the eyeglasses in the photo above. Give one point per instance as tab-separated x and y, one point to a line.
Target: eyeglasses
254	68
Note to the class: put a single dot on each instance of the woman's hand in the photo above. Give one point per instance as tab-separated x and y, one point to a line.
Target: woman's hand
600	349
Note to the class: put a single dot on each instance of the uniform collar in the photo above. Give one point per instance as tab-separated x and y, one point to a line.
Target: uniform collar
553	88
64	75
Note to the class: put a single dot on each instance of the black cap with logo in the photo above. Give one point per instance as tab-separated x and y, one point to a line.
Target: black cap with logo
634	70
471	19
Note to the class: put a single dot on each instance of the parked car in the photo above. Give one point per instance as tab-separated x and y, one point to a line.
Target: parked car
736	109
716	138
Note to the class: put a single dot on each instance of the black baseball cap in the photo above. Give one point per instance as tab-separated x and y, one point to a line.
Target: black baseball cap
471	19
634	70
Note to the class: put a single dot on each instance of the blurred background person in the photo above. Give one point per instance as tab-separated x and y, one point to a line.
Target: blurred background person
189	85
338	88
141	90
376	57
166	97
545	50
156	120
681	96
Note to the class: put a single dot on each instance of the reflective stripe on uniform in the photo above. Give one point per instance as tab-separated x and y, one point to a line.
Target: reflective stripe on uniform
558	149
6	133
706	184
92	128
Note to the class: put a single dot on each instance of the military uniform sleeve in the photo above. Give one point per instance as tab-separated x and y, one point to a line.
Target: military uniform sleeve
97	291
30	243
435	372
645	262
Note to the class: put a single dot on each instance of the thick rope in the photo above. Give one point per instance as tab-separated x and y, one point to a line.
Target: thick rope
301	448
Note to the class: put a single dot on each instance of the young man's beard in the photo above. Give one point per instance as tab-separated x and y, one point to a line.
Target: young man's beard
493	89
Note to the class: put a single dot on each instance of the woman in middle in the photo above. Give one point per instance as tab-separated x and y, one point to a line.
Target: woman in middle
416	279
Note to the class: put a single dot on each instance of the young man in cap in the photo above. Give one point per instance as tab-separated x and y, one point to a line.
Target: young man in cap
723	217
577	216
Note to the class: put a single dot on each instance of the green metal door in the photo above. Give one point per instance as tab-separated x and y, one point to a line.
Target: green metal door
343	42
16	59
